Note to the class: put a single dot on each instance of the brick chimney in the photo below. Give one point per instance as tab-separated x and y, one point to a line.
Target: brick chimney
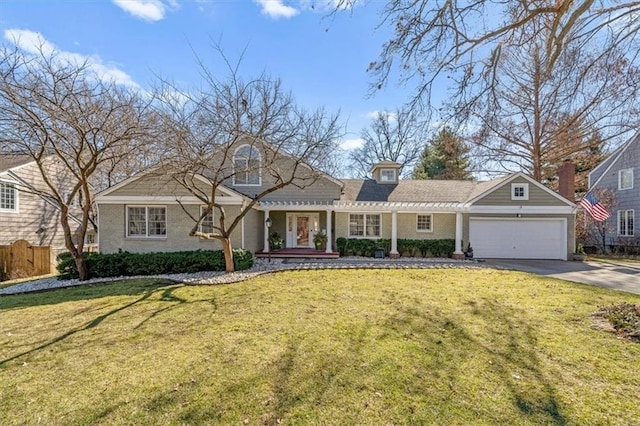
567	180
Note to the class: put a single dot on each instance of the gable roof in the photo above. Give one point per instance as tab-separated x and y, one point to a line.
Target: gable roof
606	165
11	161
225	190
486	188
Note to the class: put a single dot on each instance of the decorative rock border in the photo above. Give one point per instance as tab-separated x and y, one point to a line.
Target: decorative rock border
260	267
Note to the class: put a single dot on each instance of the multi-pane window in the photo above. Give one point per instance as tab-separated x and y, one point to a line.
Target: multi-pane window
424	223
157	221
387	175
146	221
625	179
519	191
364	225
625	223
8	197
356	225
206	225
246	166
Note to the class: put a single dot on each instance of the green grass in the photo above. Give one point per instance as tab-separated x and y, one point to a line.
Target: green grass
319	347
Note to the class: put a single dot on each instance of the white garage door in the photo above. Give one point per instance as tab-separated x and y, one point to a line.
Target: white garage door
518	238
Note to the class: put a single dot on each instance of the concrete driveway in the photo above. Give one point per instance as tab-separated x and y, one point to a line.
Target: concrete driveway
616	276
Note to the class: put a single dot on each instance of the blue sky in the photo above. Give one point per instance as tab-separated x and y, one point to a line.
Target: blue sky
322	59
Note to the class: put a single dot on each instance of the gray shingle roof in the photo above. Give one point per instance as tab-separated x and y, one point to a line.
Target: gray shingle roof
9	161
436	191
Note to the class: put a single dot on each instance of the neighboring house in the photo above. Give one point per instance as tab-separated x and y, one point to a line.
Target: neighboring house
510	217
619	175
23	214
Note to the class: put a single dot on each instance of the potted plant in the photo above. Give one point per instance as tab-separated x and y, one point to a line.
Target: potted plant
469	252
579	255
320	241
275	241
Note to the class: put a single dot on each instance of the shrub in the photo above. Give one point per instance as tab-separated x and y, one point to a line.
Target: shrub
624	317
132	264
341	245
406	247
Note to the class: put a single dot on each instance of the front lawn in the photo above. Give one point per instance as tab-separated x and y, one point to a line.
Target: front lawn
319	347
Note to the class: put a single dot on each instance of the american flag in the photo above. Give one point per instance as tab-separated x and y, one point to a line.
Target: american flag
592	206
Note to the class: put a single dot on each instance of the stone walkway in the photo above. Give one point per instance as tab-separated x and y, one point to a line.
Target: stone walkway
261	266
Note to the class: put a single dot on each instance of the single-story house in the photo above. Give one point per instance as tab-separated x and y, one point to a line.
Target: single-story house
510	217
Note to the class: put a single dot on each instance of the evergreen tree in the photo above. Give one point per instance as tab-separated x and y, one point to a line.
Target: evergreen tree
445	156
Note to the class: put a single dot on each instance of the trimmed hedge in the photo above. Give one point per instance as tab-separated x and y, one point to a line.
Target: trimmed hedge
410	248
132	264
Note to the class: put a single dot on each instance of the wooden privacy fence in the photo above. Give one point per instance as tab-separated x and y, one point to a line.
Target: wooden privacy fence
21	260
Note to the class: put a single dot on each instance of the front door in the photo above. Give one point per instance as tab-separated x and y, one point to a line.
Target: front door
301	228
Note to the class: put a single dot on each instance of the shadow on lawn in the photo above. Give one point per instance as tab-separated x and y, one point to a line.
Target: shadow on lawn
506	340
131	287
144	290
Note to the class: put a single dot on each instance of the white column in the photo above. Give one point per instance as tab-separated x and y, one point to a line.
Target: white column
394	233
242	227
266	232
329	248
458	233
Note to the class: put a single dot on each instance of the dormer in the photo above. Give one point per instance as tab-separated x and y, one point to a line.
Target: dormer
386	172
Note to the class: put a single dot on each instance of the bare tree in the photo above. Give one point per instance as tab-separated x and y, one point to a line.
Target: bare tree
282	145
396	136
539	113
461	42
71	123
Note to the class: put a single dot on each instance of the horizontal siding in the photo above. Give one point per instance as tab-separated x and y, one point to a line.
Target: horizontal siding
254	231
307	185
444	226
628	198
112	225
323	190
36	221
502	197
155	184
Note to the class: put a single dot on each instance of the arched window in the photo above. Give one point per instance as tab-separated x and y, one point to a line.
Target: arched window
246	166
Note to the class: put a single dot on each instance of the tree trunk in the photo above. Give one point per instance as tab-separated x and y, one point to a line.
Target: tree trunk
228	254
83	271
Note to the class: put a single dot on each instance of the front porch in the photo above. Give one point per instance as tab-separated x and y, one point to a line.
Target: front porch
286	253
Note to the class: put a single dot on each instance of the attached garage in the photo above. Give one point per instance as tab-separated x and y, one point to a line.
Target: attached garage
518	238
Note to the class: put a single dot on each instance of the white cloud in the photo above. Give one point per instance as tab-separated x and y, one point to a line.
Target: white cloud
352	143
149	10
277	9
372	115
34	43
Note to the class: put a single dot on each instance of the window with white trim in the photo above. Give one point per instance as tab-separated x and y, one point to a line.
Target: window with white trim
8	197
424	223
246	166
625	179
146	221
387	175
364	225
520	191
625	223
206	224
